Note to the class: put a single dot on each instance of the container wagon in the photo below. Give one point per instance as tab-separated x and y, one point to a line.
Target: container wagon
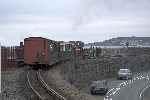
39	52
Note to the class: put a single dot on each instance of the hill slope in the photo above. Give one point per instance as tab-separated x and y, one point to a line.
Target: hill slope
121	41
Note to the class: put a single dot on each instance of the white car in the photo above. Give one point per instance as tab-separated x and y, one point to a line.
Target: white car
124	74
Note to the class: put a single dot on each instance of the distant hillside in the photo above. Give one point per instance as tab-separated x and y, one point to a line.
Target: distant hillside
121	41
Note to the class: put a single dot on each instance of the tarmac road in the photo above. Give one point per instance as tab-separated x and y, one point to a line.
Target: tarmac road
129	90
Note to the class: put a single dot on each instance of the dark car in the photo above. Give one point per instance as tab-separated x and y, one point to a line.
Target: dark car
99	87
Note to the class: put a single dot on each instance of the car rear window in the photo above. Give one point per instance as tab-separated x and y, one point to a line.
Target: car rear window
124	71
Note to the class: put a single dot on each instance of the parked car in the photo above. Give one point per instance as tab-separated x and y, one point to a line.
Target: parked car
124	74
99	87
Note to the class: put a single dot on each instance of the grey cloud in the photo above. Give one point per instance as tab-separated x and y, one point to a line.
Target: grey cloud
74	19
36	7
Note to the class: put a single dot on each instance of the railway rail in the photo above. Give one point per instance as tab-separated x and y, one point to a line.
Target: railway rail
40	88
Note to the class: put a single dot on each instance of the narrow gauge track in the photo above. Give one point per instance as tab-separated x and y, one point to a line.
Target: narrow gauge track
40	88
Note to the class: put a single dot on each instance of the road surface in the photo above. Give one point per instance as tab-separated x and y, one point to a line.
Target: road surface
129	90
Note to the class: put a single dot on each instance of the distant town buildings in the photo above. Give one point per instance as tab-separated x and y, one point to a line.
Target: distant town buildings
135	43
69	46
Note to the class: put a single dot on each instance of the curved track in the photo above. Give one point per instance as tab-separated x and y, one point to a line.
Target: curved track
40	88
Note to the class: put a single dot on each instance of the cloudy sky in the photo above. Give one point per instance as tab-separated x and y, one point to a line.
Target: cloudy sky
86	20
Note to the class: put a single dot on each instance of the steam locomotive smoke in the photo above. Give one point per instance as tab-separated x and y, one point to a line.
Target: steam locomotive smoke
91	9
86	11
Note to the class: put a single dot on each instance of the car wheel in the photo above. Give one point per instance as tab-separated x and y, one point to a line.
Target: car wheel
92	92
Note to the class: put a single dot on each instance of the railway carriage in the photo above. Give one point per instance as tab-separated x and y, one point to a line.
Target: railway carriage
40	51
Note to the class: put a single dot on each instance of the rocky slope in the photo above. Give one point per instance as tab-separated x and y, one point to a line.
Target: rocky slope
69	91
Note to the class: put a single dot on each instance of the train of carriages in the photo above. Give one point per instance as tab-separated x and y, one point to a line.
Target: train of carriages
39	52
